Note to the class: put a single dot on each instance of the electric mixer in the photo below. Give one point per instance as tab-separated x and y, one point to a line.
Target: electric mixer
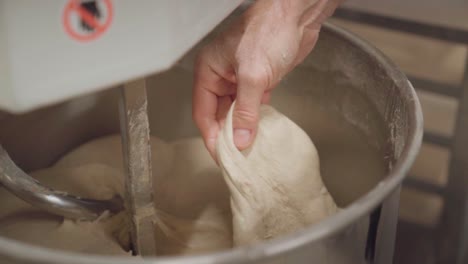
343	71
84	46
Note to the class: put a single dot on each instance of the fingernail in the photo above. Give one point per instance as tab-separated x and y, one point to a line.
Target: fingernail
242	137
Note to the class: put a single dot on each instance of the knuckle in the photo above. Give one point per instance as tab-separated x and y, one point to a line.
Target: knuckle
245	115
202	56
200	59
255	76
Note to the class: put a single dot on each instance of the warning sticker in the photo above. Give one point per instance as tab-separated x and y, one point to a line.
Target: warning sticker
87	20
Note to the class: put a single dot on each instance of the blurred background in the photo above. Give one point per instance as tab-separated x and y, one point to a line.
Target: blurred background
429	41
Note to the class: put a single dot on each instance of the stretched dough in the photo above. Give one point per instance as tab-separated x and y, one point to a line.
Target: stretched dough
275	184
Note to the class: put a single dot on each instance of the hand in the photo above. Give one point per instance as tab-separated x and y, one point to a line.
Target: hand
247	61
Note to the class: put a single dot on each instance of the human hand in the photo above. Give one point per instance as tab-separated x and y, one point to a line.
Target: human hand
245	62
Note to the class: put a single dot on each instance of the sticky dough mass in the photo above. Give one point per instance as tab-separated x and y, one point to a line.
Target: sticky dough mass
191	197
268	190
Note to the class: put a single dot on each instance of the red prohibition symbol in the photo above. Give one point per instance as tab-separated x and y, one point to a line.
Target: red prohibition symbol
95	26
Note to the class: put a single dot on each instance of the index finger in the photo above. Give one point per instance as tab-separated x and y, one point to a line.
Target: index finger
205	103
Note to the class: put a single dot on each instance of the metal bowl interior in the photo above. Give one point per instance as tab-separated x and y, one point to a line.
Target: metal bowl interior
346	72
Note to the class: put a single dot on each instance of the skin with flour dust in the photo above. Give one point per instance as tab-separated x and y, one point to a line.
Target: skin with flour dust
248	60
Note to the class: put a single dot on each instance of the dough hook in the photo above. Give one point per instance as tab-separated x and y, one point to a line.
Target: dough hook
30	190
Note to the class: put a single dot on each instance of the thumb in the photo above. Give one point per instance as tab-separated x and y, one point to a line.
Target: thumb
247	107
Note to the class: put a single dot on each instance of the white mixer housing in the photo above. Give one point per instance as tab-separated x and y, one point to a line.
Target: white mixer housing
54	50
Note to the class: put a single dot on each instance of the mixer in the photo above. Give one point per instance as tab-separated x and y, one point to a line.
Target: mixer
75	52
83	47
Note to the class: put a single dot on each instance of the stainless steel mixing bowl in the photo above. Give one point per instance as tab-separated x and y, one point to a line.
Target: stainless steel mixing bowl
346	73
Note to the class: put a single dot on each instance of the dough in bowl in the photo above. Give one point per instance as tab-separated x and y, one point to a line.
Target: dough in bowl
275	184
191	200
268	190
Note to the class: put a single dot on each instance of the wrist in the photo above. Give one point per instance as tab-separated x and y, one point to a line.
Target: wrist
299	10
281	11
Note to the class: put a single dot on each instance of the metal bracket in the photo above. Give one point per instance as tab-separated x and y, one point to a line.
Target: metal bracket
137	160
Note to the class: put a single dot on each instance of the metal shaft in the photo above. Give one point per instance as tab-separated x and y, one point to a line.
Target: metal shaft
137	160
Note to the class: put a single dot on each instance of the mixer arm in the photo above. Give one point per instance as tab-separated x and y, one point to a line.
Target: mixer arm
135	131
59	203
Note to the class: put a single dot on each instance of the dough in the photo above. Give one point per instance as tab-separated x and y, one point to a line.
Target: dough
21	221
275	184
192	201
272	188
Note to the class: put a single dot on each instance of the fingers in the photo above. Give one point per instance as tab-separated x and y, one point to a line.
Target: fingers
208	88
204	104
224	103
251	87
204	107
